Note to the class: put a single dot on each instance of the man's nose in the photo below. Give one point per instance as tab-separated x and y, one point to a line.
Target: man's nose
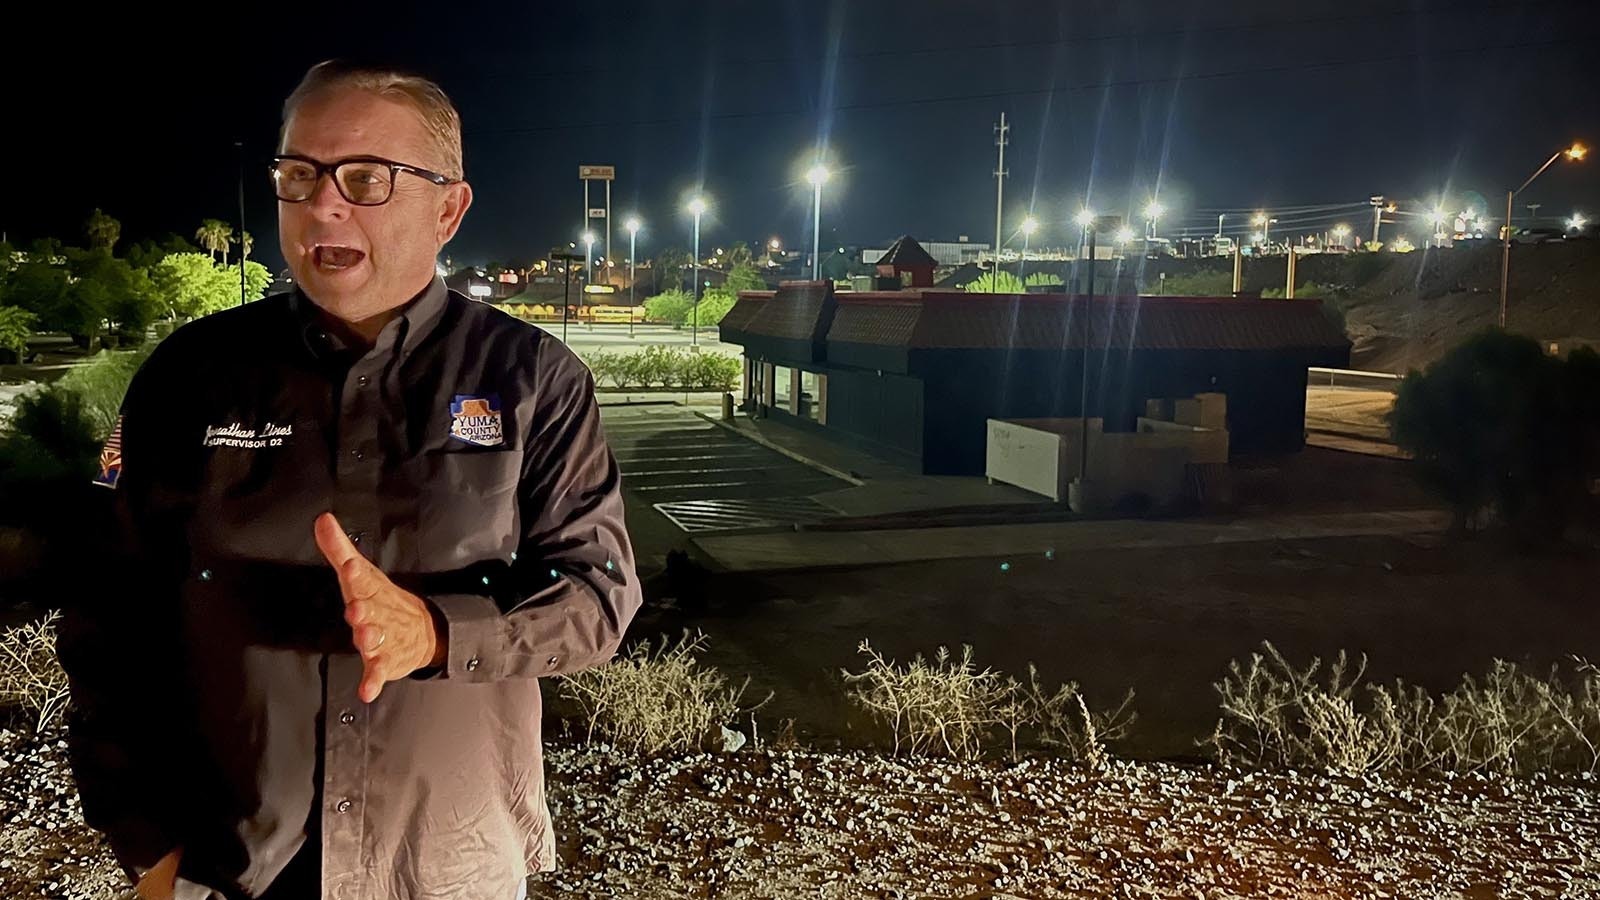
326	202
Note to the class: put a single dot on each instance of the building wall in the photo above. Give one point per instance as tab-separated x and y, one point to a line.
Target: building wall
964	388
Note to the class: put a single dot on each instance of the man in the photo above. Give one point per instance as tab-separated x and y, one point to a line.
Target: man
359	521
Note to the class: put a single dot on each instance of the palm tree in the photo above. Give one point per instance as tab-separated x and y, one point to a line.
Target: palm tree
246	241
215	235
103	231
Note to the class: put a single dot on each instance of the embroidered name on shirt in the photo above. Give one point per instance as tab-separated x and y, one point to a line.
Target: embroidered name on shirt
476	420
236	435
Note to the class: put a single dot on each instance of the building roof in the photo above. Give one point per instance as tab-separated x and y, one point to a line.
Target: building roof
804	321
907	254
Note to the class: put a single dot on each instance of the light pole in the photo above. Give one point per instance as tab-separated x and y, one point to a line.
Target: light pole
1342	231
697	206
1575	153
1219	230
1085	221
1029	226
1438	218
588	257
817	175
633	302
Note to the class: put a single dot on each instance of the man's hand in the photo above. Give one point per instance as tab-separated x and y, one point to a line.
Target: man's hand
393	629
160	881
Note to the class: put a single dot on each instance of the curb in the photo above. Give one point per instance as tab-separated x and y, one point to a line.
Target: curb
797	457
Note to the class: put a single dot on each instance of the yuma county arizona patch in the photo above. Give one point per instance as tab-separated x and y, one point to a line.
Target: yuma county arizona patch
476	420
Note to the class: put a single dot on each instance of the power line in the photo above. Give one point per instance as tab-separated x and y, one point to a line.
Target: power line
1032	92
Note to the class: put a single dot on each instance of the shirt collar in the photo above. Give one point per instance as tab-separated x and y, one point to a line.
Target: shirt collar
417	318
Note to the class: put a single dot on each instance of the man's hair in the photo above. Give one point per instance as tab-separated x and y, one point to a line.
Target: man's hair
432	106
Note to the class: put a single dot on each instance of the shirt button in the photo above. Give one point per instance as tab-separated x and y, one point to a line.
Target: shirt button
472	664
358	454
205	574
355	536
362	381
343	807
553	661
346	717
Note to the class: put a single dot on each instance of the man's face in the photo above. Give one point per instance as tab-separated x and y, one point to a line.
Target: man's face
359	261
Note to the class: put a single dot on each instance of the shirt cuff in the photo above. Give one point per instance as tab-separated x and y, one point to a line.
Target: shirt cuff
474	626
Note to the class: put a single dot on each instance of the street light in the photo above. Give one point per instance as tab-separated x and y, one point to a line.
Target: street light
697	207
588	256
1575	153
633	225
817	175
1124	235
1577	222
1029	226
1153	211
1438	218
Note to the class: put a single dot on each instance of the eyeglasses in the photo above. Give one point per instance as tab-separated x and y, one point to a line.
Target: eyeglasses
362	180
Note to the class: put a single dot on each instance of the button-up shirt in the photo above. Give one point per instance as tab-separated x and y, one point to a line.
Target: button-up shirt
215	677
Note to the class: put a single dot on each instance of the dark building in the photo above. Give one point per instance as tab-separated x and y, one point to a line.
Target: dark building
906	263
914	375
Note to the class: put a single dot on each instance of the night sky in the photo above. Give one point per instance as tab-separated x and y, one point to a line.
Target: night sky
1220	106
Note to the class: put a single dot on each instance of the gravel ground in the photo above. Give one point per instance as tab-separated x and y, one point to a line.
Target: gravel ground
809	823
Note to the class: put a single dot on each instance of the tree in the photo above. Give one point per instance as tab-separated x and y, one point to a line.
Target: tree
737	254
247	242
16	326
145	254
215	236
671	307
669	264
987	283
191	285
745	277
102	230
1496	425
40	287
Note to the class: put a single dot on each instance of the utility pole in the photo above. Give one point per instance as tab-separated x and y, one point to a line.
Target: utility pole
999	195
1377	214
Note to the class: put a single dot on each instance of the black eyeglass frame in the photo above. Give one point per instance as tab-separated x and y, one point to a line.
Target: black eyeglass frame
331	169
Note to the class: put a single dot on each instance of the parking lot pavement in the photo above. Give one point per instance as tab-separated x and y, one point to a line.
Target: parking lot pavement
705	478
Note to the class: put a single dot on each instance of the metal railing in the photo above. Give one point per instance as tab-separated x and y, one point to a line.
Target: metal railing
1317	376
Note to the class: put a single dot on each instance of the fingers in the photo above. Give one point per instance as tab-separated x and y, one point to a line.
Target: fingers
372	679
332	541
368	639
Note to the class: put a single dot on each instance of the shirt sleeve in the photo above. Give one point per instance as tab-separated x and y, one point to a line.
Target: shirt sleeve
119	643
573	588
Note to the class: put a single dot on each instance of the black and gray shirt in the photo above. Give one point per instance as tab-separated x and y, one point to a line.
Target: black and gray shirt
215	677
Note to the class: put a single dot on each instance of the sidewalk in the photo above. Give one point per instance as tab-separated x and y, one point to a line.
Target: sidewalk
882	487
811	549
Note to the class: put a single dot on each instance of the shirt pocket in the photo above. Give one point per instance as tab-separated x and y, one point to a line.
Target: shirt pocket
469	508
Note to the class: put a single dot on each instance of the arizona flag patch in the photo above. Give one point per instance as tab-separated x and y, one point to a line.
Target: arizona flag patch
111	458
476	420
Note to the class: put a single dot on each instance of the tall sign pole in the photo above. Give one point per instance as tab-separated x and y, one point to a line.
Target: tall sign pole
607	174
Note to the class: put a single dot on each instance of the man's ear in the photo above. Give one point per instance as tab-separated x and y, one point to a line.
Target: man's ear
457	198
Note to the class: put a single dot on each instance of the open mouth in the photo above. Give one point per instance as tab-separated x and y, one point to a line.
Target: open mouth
335	257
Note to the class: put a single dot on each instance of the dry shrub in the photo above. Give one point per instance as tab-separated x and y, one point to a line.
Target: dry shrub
949	707
1509	722
31	679
660	701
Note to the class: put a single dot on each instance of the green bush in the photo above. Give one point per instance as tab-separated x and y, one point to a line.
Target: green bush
670	307
1496	426
1198	284
668	367
714	304
101	382
987	284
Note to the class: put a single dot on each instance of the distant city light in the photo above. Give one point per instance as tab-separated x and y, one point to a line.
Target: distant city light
1577	222
588	239
1154	211
1124	234
817	175
1260	219
633	225
697	206
1084	218
1341	230
774	244
479	290
1577	151
1029	226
